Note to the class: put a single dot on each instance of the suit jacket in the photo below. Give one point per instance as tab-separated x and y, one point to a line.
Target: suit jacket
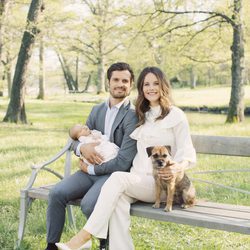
124	124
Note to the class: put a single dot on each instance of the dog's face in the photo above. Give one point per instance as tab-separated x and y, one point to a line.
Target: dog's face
160	156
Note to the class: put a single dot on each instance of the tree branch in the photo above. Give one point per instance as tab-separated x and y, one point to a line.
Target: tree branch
86	53
206	61
187	25
214	13
198	32
109	51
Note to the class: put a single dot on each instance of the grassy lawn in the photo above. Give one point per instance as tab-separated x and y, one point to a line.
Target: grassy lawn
23	145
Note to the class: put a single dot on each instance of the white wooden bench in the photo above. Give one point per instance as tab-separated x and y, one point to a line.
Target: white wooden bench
232	218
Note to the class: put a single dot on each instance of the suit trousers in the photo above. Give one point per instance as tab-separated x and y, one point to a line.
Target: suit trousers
77	186
112	210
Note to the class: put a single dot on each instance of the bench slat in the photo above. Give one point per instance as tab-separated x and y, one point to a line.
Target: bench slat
232	218
222	145
192	217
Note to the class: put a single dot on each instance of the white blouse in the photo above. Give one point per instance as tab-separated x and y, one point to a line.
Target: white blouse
173	131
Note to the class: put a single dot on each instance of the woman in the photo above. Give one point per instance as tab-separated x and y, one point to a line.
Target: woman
160	123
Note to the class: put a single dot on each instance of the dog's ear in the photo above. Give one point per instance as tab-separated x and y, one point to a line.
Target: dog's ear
168	148
149	151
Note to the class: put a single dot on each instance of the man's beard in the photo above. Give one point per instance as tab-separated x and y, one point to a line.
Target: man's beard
121	95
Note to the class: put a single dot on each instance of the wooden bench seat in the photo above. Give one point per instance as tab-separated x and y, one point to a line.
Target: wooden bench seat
211	215
232	218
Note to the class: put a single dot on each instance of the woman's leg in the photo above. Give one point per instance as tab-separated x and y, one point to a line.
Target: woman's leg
113	188
98	221
119	225
112	209
140	188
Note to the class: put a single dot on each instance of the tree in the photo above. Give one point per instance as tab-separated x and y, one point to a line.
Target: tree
98	35
216	19
10	40
41	94
16	108
4	4
72	83
236	104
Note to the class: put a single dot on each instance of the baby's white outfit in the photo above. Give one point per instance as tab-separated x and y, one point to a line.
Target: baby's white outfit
106	149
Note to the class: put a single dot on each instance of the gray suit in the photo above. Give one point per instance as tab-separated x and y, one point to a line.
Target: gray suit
87	187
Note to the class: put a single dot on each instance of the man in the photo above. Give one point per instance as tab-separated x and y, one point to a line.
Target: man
115	118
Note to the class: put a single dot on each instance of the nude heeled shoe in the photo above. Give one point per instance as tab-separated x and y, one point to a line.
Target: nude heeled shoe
62	246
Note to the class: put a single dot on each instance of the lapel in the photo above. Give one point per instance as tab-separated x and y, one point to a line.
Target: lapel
102	115
121	113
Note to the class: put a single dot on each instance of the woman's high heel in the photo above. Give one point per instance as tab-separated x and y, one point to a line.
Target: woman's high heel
63	246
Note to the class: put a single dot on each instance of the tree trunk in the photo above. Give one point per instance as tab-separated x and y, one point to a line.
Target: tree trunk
4	4
100	65
236	104
69	85
88	83
41	94
16	108
193	78
8	70
67	74
101	77
77	71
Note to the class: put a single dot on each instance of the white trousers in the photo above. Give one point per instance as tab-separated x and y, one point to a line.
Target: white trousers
112	210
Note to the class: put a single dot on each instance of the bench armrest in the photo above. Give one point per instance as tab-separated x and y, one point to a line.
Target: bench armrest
54	158
42	166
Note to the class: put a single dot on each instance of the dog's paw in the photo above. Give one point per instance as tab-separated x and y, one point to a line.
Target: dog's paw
156	205
168	208
184	206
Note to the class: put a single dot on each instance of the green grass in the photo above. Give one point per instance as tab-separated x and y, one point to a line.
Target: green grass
23	145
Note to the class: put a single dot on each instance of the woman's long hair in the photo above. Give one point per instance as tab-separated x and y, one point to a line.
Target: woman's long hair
142	104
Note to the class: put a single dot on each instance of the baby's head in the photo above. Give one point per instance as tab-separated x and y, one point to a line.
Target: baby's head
79	130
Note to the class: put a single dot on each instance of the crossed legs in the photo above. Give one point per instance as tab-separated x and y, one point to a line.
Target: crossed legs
77	186
112	210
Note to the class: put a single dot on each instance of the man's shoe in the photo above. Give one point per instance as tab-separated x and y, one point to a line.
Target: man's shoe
103	244
51	246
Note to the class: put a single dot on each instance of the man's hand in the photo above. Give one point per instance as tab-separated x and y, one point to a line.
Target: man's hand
89	153
83	166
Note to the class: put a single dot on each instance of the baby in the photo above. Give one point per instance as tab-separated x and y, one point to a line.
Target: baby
106	149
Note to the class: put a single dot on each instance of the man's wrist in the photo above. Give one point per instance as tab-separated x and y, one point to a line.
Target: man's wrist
91	169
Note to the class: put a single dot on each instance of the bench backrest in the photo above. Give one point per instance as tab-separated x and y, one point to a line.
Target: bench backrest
222	145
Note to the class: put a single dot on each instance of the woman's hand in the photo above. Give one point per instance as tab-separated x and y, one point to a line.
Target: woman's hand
169	172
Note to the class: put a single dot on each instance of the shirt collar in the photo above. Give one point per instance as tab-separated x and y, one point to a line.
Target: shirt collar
118	105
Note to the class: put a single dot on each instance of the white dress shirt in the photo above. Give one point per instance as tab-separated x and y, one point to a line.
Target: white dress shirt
109	121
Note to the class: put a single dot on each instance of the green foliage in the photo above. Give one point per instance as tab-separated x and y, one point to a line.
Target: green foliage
130	31
23	145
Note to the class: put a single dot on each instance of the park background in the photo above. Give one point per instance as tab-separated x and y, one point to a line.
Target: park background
63	75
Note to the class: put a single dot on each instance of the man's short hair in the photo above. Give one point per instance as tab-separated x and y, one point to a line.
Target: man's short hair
120	66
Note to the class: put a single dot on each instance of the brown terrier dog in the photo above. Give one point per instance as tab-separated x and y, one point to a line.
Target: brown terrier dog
179	189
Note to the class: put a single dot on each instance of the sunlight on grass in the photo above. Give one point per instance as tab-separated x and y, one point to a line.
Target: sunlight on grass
211	97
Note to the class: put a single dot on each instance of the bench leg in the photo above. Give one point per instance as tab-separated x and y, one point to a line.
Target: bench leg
24	205
71	217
